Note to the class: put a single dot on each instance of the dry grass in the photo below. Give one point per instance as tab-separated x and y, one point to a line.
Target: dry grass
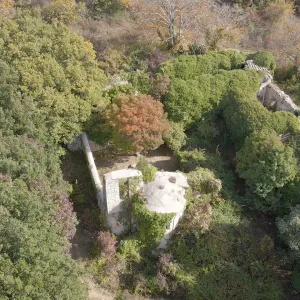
121	32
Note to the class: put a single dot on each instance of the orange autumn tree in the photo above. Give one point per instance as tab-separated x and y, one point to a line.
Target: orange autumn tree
138	122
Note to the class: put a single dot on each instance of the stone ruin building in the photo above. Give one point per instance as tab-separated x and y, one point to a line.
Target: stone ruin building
269	94
163	195
166	194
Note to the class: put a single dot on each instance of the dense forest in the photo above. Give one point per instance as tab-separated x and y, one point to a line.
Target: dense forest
141	76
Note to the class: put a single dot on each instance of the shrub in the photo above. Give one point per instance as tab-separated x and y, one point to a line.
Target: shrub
265	162
111	61
237	58
100	7
198	217
160	86
296	278
264	59
130	250
107	244
185	102
177	137
151	225
138	122
190	160
111	93
146	168
204	181
98	130
65	11
289	227
141	81
196	49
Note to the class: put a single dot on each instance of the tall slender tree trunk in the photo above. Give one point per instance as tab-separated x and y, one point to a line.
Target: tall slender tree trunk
171	26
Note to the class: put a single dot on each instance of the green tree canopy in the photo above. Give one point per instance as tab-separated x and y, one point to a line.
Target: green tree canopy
265	162
289	228
50	78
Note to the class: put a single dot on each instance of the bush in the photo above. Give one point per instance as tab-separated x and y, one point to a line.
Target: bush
198	217
160	86
146	168
296	278
196	49
185	102
289	227
237	58
141	81
176	138
190	160
264	59
265	162
130	250
151	225
101	7
188	67
107	244
203	181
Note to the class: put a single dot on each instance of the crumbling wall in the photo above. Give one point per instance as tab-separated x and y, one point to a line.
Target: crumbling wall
269	94
272	97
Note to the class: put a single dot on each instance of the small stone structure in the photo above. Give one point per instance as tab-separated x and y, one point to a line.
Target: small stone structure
164	195
116	216
269	94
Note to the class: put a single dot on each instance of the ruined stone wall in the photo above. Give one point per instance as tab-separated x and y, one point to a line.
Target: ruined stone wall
272	97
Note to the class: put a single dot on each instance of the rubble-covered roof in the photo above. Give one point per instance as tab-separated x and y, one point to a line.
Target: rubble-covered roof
166	193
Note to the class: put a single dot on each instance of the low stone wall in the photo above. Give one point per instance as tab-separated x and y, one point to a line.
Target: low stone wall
94	172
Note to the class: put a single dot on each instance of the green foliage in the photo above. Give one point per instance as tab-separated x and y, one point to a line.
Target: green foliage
190	160
151	226
111	93
33	260
236	57
141	81
101	7
204	181
264	59
265	162
191	66
244	115
296	278
49	84
185	103
228	262
289	226
146	168
191	98
48	80
130	250
98	129
177	137
65	11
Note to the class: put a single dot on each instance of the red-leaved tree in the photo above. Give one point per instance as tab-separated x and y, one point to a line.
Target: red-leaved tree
138	122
